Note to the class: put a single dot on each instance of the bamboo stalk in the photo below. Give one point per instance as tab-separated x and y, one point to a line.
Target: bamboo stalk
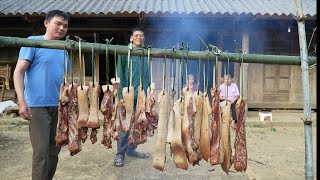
115	64
306	92
155	52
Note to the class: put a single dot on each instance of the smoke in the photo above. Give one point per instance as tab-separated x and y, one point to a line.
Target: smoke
167	32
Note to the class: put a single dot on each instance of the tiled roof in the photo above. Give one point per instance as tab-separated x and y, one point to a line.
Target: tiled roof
95	7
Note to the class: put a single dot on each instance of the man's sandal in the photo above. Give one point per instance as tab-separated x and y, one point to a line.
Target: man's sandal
137	154
118	162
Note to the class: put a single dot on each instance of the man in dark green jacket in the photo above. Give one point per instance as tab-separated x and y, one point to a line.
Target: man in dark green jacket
137	39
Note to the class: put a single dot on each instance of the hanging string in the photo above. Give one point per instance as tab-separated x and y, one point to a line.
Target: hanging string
93	63
225	86
181	71
142	69
84	70
71	65
115	62
241	71
107	62
150	67
204	78
206	83
130	61
164	69
198	72
80	64
174	69
187	79
64	66
228	64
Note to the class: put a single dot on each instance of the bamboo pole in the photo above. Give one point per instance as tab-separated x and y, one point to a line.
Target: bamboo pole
154	52
306	92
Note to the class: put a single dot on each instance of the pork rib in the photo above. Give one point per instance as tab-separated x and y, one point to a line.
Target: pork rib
240	156
160	148
198	116
225	134
178	151
128	97
93	121
151	115
62	126
171	117
74	143
116	114
205	128
191	147
138	131
216	153
83	105
107	110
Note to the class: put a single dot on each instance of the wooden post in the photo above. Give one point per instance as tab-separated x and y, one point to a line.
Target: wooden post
245	49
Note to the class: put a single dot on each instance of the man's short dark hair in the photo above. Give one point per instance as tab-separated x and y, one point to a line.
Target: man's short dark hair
58	13
137	29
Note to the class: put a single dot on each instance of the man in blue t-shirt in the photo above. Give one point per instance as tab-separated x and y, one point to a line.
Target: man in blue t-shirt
37	79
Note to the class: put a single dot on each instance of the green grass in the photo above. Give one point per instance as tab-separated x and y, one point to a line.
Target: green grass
17	123
258	126
273	129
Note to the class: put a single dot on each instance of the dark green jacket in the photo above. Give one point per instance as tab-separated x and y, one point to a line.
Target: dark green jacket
123	73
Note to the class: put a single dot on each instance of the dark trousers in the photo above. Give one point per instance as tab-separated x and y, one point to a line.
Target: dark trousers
233	111
42	130
122	145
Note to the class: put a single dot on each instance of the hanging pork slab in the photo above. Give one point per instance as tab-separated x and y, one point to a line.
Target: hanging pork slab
225	134
205	128
191	147
198	116
128	97
62	126
216	154
83	105
93	121
107	110
151	115
138	131
240	158
74	142
171	117
178	151
116	114
160	147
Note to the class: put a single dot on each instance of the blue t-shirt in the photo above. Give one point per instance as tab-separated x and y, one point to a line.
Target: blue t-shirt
44	76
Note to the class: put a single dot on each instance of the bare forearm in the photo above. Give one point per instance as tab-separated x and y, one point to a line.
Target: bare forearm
19	86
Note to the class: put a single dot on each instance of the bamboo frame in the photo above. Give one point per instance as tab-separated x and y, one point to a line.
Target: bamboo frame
154	52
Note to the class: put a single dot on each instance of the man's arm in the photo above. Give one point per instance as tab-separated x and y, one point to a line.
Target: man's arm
237	94
18	79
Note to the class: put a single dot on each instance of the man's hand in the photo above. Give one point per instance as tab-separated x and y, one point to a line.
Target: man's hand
25	111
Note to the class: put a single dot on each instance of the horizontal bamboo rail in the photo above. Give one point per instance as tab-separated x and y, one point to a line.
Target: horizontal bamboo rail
154	52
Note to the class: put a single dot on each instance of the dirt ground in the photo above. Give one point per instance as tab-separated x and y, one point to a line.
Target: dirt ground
275	151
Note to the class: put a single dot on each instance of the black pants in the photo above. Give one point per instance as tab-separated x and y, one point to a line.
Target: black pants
122	145
42	130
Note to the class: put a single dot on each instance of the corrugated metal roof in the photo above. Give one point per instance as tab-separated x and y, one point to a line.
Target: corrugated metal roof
227	7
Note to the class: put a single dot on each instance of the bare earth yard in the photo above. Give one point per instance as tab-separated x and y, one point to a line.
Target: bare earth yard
275	151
